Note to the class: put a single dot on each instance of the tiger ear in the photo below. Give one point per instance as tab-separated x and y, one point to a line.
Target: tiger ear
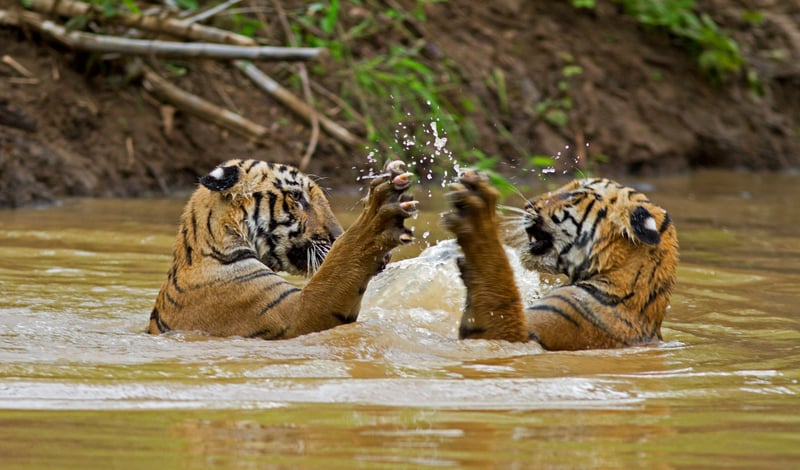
221	178
644	226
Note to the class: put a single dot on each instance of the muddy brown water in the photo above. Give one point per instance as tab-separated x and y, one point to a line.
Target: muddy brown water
82	386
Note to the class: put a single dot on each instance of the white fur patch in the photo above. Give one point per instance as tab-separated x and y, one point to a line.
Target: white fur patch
650	224
217	173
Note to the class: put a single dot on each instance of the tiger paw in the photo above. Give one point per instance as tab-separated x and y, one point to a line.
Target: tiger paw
473	200
387	206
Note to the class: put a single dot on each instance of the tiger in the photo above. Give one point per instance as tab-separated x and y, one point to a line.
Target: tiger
618	250
247	222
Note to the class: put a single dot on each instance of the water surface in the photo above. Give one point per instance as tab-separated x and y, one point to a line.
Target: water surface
81	385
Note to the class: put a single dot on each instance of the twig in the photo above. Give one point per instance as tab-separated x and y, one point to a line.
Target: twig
312	143
338	101
190	30
100	43
197	106
160	23
270	86
19	68
206	14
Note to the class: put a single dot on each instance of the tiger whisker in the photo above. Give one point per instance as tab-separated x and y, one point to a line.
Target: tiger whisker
517	210
519	193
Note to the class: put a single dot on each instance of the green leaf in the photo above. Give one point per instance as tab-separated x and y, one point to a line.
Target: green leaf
329	22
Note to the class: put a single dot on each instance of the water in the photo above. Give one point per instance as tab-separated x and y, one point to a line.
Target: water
82	386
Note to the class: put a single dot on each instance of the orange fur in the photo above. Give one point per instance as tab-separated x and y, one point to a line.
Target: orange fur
618	249
250	220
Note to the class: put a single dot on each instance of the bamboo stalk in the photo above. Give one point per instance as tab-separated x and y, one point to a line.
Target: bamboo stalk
100	43
199	107
158	23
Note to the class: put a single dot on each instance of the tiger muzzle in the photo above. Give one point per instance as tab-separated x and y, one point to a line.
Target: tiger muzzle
539	240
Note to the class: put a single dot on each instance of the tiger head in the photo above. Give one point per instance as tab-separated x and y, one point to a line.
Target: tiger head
270	211
594	226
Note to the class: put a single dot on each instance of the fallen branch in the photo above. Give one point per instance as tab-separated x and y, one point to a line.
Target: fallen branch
303	72
157	48
201	108
162	24
19	68
185	28
268	85
209	13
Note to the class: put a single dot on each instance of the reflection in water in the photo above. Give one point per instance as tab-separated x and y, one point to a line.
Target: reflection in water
78	374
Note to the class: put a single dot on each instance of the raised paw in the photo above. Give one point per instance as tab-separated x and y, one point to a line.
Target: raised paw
387	206
473	200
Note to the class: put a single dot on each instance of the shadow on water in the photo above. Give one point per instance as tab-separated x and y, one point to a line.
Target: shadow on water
82	386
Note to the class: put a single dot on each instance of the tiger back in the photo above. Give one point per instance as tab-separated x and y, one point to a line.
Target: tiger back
618	250
247	222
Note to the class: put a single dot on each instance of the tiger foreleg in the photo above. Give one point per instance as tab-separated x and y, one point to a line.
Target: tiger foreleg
362	251
493	307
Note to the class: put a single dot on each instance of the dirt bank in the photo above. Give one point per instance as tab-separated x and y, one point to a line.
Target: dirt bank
640	103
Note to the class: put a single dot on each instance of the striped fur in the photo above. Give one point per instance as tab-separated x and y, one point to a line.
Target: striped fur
618	250
250	220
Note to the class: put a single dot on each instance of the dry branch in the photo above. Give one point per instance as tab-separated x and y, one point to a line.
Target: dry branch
157	48
267	84
187	29
197	106
157	23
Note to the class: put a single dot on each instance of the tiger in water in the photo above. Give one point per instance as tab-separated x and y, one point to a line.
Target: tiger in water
618	250
250	220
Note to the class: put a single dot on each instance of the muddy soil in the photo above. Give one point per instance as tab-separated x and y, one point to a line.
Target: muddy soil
639	105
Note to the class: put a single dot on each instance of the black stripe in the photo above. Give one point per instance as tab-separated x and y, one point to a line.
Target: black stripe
252	164
208	226
534	337
251	275
194	226
273	198
601	214
604	298
267	333
257	199
655	294
236	256
584	312
586	213
173	274
553	309
665	223
279	299
186	246
160	324
171	300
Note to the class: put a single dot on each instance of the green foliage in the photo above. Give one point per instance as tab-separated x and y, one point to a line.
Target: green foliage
717	53
555	110
755	18
584	3
402	94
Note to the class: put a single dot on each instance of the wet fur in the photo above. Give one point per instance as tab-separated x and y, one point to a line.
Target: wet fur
250	220
618	250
